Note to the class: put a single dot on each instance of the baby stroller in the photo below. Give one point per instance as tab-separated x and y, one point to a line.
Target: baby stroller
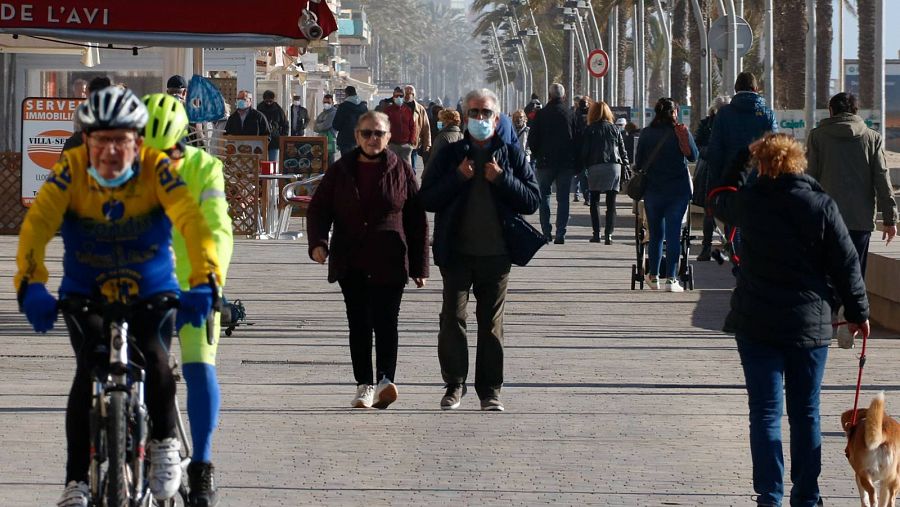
642	262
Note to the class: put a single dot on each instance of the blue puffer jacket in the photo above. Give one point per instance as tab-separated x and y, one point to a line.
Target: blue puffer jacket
744	120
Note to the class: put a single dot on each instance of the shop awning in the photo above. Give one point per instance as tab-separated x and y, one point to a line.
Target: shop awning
202	23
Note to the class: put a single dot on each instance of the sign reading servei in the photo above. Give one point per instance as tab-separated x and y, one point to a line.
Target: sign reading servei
46	124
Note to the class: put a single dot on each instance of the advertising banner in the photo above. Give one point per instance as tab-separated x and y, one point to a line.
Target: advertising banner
46	125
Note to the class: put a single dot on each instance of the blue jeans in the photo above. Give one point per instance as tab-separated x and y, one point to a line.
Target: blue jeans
773	375
563	178
665	213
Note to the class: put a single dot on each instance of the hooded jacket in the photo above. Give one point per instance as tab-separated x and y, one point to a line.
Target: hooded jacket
344	122
794	248
847	158
737	124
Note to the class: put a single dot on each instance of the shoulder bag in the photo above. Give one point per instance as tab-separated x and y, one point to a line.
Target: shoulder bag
637	185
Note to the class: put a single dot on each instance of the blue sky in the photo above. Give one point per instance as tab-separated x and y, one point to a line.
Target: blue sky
891	36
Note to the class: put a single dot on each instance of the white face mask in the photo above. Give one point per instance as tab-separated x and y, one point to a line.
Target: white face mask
327	106
296	102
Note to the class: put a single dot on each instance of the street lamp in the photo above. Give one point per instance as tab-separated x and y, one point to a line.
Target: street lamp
524	3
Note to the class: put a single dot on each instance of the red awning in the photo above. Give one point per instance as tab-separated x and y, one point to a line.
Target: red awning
201	23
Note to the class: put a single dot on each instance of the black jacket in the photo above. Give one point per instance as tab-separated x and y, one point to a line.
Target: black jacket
445	191
793	243
299	120
255	124
602	144
278	121
703	133
344	122
553	137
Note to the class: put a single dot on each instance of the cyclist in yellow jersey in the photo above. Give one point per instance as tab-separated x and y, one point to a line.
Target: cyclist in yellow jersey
203	175
115	202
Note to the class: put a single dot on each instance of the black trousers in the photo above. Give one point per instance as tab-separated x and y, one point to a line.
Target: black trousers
487	278
860	240
372	307
152	331
610	212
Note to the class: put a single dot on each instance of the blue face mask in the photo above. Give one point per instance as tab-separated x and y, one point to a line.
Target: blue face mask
398	101
115	182
241	104
480	129
440	125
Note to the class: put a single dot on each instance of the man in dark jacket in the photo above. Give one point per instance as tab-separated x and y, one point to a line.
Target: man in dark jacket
98	83
299	117
278	122
552	141
246	121
739	123
348	113
477	188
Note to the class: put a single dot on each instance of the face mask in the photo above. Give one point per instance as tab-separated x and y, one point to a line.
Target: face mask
440	125
410	99
327	106
241	104
480	129
296	102
398	101
115	182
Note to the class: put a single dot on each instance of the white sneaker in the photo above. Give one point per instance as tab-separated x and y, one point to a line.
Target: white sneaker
653	282
364	395
672	285
385	393
165	468
843	336
76	494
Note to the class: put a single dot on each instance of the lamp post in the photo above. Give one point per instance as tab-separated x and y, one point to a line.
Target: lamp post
537	35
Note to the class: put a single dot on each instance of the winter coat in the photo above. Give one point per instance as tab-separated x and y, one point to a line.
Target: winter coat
299	120
739	123
847	158
669	172
403	124
345	120
552	137
515	192
506	132
602	143
278	121
793	240
392	235
255	124
448	135
423	127
703	133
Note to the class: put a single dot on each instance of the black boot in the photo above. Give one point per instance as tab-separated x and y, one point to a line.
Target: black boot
610	225
202	485
705	253
596	237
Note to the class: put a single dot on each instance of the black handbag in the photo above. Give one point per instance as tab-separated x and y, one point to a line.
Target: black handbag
637	186
522	239
701	184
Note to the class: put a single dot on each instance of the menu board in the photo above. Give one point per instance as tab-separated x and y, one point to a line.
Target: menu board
246	145
303	155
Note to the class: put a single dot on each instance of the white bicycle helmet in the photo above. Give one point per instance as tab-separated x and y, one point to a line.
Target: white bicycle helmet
111	108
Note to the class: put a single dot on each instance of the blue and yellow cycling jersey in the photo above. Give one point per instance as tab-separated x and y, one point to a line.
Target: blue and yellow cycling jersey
117	240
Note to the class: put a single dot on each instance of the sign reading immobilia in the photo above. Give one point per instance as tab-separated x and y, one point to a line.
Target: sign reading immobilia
46	125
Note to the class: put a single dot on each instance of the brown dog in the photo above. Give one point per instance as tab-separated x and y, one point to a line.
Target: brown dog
873	450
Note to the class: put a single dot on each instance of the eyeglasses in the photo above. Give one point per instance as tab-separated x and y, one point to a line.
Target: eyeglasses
120	142
367	133
485	114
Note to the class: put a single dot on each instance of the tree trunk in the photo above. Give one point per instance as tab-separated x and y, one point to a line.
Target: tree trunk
790	53
679	53
698	104
624	59
824	38
866	13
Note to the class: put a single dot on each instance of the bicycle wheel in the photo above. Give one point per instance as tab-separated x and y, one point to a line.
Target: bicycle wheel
117	473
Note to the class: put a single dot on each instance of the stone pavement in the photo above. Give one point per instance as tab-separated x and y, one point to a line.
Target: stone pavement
614	397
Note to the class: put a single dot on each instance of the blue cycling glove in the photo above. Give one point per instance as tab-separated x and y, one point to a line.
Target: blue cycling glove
194	306
40	307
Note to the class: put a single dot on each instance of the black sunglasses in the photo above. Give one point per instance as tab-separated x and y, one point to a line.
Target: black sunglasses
486	114
367	133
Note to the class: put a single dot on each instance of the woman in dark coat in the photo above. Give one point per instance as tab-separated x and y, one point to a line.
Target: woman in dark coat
602	156
701	137
668	188
379	241
781	308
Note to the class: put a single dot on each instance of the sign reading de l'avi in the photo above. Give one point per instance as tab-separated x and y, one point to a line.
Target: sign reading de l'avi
35	14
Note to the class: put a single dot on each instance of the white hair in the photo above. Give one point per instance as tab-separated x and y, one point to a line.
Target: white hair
480	94
717	104
376	116
557	91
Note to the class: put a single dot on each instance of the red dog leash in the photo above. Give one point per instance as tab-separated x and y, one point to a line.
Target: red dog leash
862	363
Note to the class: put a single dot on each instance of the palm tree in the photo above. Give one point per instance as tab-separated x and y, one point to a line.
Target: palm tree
824	38
790	53
865	10
680	51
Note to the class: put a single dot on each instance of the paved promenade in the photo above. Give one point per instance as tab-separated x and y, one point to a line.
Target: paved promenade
614	397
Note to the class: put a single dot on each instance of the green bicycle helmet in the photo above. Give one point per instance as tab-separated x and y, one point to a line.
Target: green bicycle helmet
167	122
